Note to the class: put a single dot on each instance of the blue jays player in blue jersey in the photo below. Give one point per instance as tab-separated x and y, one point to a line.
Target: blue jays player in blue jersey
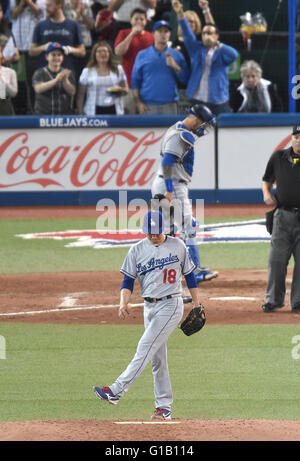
174	176
158	261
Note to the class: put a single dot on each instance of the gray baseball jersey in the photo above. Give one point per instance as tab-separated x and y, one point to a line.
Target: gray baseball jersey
179	142
159	269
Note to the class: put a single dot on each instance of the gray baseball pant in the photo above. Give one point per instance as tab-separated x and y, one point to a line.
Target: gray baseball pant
285	242
160	319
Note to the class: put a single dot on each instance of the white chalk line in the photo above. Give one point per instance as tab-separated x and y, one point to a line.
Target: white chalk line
61	309
146	422
234	298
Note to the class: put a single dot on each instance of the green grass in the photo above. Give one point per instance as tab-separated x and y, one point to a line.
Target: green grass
234	371
47	255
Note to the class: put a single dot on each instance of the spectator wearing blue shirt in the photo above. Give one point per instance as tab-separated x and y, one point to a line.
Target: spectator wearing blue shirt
210	61
155	74
57	28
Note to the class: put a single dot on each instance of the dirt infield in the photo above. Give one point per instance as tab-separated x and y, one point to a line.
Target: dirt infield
185	430
54	295
80	297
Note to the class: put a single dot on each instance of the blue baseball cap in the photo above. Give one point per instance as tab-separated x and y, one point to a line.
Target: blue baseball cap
153	222
54	46
159	24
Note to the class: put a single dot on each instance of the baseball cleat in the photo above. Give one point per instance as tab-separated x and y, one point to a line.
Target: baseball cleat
268	307
205	274
162	414
296	309
104	393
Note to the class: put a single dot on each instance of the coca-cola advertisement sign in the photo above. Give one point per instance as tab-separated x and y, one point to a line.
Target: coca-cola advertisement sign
117	158
79	159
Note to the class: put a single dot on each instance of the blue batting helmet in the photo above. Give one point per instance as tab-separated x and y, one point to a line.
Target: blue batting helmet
203	112
153	222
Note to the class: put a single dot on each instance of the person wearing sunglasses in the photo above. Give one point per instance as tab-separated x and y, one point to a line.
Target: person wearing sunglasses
210	61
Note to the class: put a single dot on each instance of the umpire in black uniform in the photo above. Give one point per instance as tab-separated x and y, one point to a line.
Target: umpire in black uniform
284	168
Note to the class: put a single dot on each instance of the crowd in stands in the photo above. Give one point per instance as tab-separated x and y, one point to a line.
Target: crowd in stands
121	57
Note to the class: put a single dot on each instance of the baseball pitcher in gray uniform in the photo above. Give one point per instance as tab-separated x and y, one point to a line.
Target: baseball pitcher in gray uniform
174	175
158	262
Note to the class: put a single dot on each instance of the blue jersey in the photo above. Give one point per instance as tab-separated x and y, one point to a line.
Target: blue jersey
157	82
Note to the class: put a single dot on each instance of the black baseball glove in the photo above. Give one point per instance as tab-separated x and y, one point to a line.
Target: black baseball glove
194	321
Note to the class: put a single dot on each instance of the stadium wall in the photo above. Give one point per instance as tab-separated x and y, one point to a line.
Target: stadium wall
77	160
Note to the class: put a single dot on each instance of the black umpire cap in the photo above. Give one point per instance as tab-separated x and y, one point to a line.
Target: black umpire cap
296	129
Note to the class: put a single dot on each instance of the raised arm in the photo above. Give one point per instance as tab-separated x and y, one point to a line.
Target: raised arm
204	5
114	5
122	47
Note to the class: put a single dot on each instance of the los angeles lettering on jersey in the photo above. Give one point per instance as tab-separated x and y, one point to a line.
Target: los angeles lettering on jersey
159	263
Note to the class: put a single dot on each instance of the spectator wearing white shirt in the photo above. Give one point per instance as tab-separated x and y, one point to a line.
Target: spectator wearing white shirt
81	12
25	14
8	87
11	53
102	83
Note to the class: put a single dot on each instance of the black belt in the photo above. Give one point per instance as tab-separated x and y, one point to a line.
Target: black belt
182	181
155	300
294	209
